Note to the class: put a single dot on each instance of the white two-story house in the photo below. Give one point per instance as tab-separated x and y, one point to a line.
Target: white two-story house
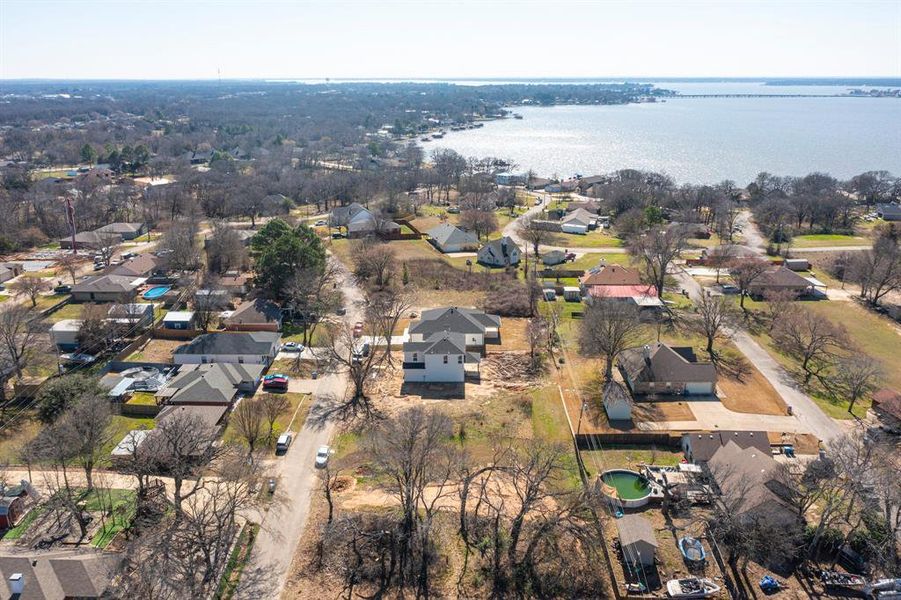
476	326
442	358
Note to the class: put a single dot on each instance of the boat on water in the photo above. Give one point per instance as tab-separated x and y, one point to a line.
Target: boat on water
845	581
517	116
426	139
692	549
691	587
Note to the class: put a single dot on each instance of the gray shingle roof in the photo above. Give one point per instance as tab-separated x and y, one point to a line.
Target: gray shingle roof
454	319
705	444
446	233
780	277
120	228
256	311
635	528
209	415
256	342
497	251
209	384
677	365
107	283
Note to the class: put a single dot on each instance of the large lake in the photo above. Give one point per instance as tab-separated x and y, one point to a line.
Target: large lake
699	140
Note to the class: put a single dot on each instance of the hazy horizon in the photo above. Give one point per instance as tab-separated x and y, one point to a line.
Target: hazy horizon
442	40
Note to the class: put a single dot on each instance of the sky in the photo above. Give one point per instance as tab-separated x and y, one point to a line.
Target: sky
190	39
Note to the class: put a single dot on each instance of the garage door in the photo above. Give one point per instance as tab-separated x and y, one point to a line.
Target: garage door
698	388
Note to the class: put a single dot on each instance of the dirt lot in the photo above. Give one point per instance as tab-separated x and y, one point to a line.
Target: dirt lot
159	351
658	411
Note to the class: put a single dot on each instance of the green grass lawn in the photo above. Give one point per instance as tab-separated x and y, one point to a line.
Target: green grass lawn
12	439
294	333
820	240
119	428
281	424
19	530
142	399
873	335
629	457
122	505
45	302
599	238
69	311
590	260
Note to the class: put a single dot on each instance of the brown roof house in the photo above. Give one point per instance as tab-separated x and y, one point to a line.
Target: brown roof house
749	480
700	447
125	231
887	404
780	279
142	265
106	288
60	575
255	315
662	369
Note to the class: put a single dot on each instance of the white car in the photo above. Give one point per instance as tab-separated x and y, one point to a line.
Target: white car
322	455
292	347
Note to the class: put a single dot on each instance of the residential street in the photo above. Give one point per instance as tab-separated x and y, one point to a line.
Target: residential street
805	410
284	523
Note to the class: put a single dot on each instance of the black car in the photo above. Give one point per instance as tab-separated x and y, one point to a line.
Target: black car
62	289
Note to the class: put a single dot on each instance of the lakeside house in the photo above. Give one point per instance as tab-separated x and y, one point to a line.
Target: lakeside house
662	369
257	347
579	221
502	252
450	238
10	270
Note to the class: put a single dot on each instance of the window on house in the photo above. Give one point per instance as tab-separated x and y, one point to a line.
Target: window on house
415	357
445	359
203	360
241	360
460	359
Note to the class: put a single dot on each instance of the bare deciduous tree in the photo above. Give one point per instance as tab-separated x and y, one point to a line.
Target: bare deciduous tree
811	339
247	419
745	272
856	376
19	329
30	286
374	261
715	314
273	406
609	327
656	249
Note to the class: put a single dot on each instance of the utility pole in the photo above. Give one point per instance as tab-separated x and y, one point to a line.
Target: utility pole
70	215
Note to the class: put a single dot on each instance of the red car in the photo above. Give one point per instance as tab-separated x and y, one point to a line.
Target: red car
276	381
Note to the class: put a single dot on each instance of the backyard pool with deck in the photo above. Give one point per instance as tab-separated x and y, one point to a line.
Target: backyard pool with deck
155	292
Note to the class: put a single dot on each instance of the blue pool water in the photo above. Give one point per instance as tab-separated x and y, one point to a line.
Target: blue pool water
155	292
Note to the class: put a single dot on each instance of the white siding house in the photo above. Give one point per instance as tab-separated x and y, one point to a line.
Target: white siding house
253	348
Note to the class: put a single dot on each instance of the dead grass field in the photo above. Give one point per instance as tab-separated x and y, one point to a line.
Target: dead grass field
514	336
753	394
158	351
666	410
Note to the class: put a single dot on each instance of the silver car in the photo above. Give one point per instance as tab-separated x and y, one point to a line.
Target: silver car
322	455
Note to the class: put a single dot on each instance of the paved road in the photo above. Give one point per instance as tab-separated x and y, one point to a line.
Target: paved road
275	546
805	410
510	230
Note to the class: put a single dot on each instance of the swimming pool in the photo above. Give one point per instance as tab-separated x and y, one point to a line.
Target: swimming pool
628	487
156	292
